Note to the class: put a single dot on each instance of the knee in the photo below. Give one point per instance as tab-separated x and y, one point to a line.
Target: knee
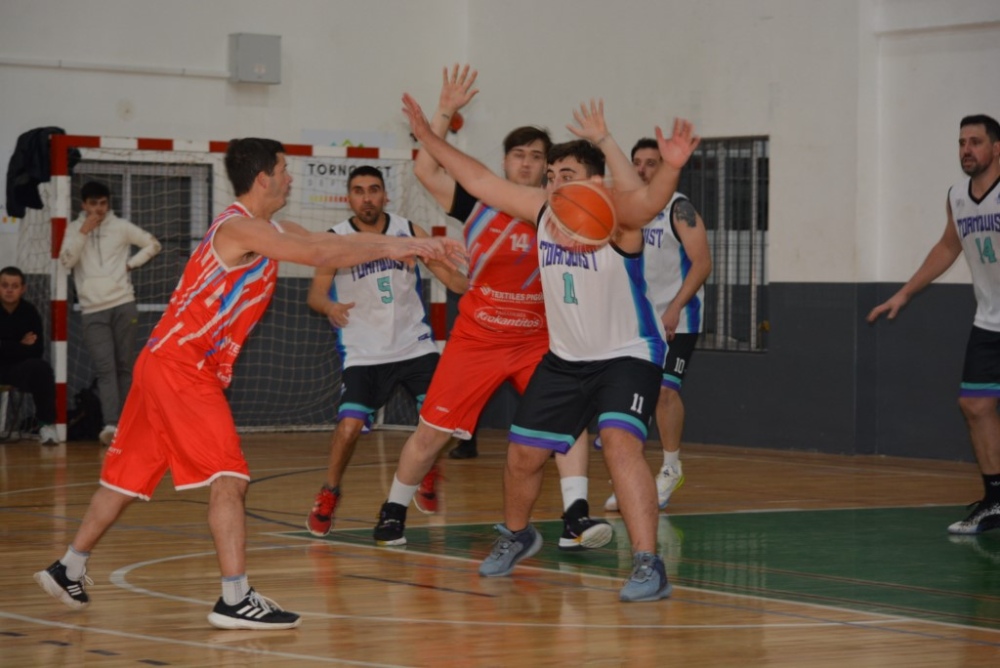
978	408
669	396
229	488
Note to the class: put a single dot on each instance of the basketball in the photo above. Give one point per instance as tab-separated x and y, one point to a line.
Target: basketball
582	211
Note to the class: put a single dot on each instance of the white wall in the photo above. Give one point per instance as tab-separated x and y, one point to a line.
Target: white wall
937	62
860	98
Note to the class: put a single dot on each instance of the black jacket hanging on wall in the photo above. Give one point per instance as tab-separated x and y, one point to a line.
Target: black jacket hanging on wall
29	166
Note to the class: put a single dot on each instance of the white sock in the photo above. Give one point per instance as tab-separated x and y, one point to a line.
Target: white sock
671	459
400	493
573	488
75	563
235	589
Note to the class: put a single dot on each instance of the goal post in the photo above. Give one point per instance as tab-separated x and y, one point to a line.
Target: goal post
288	375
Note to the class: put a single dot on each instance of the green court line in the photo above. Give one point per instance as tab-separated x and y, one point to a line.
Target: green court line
895	561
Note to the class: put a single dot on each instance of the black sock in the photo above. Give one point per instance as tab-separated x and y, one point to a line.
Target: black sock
992	485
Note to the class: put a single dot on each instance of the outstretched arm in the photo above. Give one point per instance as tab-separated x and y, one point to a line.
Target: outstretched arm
452	278
520	201
637	207
941	256
237	237
456	92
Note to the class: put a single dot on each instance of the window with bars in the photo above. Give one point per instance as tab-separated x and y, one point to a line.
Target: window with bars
727	181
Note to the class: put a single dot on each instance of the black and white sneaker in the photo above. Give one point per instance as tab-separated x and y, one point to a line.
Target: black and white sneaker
985	515
391	527
55	583
253	612
580	532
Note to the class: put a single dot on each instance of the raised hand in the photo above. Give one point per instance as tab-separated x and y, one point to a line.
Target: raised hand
682	143
590	123
456	88
418	121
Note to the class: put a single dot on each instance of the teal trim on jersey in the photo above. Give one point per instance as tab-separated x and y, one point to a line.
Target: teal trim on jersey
534	434
624	417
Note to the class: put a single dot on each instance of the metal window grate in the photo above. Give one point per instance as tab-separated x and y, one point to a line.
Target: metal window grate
727	180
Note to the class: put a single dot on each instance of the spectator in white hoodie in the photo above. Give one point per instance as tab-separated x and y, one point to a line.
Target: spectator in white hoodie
97	248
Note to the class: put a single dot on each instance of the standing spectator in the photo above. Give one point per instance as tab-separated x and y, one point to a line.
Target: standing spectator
97	248
21	363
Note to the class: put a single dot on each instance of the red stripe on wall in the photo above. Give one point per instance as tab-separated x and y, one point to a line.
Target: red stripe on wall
362	152
155	144
61	403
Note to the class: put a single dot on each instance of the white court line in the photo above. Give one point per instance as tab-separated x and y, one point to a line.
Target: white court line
190	643
118	578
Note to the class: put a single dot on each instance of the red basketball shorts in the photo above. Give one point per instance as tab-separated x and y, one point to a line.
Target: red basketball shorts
174	418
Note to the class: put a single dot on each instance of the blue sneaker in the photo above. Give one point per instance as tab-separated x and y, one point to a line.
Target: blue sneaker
509	549
648	581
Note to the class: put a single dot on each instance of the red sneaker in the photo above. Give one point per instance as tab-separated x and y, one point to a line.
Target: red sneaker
321	518
426	499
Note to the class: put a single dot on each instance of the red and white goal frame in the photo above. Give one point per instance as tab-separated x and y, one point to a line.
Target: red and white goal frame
416	206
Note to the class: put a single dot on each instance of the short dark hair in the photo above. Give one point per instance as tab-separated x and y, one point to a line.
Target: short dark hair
246	158
524	135
365	170
13	271
94	190
645	142
988	122
589	155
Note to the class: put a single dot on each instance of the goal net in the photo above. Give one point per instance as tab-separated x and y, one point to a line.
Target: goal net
288	374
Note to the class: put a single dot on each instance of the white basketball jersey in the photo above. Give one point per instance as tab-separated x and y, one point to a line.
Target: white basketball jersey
388	322
667	265
596	303
978	225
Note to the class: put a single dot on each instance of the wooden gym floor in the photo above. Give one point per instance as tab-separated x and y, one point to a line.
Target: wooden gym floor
777	558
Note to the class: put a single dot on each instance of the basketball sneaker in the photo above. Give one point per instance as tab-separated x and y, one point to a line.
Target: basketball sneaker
426	498
611	505
509	549
648	581
465	449
107	434
321	517
668	480
985	515
391	525
253	612
582	533
57	585
48	435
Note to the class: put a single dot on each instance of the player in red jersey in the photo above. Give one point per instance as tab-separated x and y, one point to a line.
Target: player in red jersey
500	333
176	416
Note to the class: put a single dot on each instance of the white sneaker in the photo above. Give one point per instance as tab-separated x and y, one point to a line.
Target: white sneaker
107	434
48	434
667	481
611	505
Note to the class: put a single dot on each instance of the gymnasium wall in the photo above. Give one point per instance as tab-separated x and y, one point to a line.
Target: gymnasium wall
860	98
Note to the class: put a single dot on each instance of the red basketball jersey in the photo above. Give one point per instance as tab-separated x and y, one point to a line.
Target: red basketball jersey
505	292
214	308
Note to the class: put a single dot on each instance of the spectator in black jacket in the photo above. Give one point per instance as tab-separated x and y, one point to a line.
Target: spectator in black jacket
21	347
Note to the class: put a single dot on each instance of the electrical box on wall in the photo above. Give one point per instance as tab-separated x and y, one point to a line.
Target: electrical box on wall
254	58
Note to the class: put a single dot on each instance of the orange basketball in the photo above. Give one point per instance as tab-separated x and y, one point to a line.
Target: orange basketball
582	210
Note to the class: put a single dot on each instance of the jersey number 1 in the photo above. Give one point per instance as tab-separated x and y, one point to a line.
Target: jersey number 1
569	290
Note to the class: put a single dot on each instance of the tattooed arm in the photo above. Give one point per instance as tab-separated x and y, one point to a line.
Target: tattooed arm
690	230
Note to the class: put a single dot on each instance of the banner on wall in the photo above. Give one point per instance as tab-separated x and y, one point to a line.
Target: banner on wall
322	182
